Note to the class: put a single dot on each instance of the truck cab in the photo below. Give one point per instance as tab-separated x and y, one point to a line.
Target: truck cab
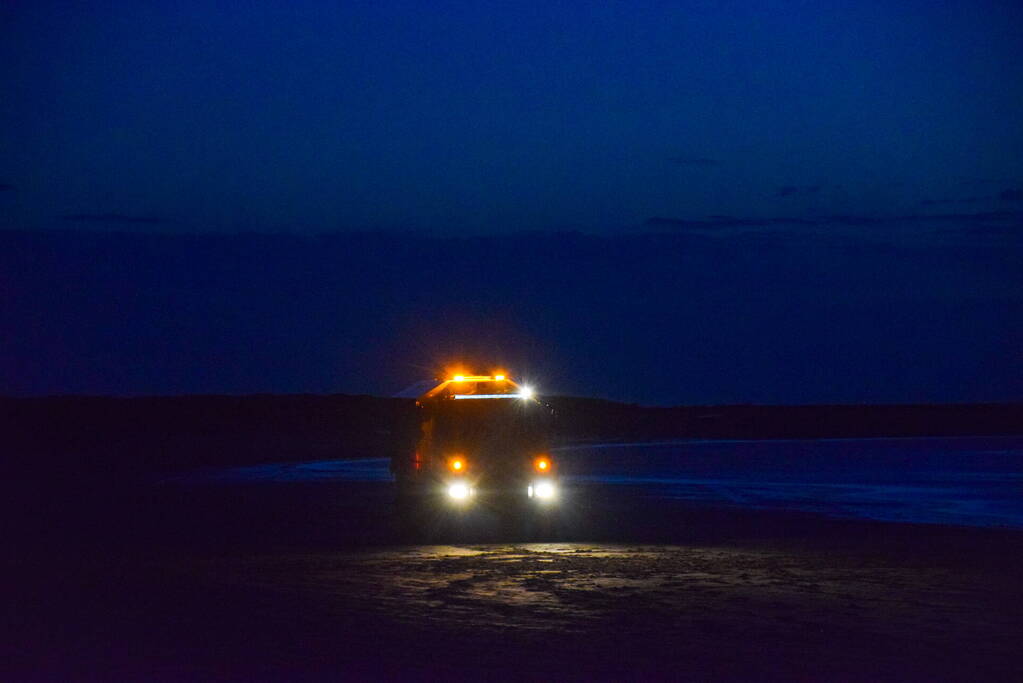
480	437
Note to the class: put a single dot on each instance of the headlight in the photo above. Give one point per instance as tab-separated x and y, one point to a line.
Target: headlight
544	490
459	491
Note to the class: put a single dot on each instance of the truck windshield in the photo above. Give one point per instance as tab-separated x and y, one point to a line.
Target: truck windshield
494	426
492	387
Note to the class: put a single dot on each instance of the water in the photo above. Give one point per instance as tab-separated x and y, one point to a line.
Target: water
974	481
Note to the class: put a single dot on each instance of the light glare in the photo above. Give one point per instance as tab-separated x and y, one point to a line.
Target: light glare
544	490
458	491
526	392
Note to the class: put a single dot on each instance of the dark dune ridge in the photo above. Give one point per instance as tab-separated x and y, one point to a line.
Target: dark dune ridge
83	433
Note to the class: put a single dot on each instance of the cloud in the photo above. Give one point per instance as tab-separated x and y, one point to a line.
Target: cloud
789	190
982	181
714	223
945	202
719	222
693	161
1011	195
978	217
850	219
110	218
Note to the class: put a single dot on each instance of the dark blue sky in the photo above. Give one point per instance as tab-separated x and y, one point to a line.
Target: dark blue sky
681	317
777	202
468	117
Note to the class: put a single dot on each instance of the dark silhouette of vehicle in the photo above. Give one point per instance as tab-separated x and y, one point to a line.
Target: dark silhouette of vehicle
480	436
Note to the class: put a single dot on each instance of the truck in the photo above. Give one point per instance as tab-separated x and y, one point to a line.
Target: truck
480	438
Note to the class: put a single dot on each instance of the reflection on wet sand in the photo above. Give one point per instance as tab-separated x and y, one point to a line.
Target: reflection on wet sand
674	591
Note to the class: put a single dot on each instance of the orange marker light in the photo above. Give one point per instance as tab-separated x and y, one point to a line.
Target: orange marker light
499	378
543	464
458	464
459	378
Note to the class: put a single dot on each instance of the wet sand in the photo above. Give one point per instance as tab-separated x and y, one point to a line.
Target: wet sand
314	581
